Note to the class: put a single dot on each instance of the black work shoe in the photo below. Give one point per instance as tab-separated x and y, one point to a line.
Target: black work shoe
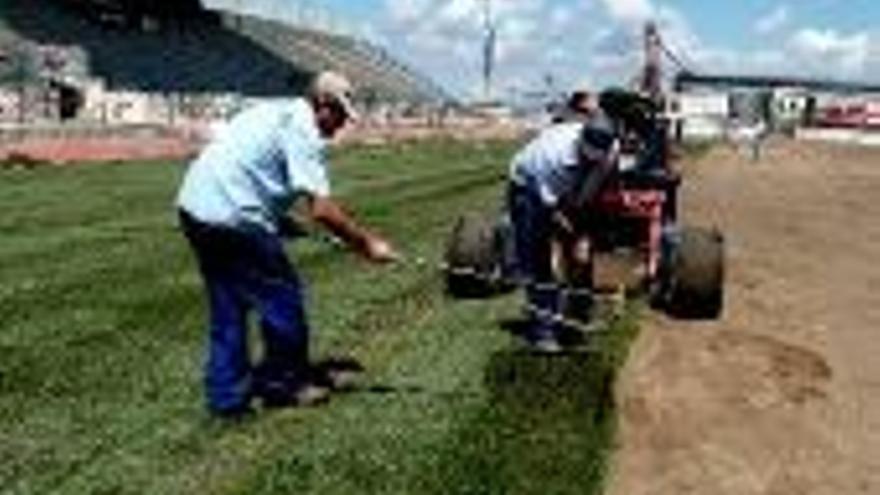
311	395
339	379
337	373
570	337
545	345
305	395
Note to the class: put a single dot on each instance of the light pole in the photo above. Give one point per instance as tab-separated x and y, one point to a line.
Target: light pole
489	41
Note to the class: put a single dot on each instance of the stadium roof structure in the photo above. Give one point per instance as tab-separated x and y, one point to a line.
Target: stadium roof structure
684	79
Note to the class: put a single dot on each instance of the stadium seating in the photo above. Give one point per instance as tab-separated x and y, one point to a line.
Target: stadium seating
381	78
216	53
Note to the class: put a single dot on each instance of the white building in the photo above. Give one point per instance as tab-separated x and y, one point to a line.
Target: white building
789	106
699	115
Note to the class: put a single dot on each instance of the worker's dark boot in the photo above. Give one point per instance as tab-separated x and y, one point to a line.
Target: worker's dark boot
289	388
338	373
545	345
304	395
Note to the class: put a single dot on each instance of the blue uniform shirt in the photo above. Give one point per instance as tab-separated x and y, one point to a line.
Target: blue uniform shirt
253	170
548	162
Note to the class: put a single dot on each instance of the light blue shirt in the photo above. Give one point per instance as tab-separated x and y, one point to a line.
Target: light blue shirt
549	161
256	166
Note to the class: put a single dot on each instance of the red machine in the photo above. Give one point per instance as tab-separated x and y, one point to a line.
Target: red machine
622	235
622	232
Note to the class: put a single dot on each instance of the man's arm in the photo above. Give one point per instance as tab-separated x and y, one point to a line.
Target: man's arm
597	156
334	218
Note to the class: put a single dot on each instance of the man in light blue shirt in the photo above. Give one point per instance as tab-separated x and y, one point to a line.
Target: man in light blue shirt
233	206
562	166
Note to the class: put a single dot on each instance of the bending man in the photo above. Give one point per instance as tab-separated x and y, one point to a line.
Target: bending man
233	204
552	179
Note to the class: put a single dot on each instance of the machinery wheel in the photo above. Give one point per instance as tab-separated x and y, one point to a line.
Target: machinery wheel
472	257
695	285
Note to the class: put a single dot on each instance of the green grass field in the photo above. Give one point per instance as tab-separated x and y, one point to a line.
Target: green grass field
101	341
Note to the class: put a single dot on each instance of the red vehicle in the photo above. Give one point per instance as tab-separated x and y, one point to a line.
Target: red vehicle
625	236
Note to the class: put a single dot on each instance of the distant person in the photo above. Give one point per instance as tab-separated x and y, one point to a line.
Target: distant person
757	138
551	178
233	206
748	138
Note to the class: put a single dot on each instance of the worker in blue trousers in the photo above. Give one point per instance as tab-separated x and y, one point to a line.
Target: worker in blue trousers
562	166
233	205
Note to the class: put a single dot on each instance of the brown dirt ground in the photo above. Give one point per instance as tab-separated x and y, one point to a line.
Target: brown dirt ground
68	150
782	395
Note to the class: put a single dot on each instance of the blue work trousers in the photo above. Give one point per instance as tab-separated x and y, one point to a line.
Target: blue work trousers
533	229
244	270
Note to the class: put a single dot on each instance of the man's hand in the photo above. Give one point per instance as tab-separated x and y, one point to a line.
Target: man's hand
332	216
380	251
562	222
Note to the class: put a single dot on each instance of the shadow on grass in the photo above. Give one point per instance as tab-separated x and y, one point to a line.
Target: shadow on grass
546	428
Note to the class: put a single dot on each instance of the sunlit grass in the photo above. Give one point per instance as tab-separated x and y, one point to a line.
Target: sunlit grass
101	336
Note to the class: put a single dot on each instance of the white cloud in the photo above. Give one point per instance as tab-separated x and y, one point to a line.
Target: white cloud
679	35
444	38
828	52
829	41
600	41
406	10
772	21
629	11
561	16
808	52
571	41
456	11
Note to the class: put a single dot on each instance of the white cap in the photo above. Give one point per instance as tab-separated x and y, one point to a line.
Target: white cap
336	86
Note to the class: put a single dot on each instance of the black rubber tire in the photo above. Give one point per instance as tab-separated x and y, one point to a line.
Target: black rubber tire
472	257
696	275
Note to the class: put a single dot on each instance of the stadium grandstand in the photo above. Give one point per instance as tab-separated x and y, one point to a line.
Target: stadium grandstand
154	59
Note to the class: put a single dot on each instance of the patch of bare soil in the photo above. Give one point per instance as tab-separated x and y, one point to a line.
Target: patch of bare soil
782	395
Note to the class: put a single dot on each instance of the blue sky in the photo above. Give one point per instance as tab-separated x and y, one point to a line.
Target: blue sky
594	42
